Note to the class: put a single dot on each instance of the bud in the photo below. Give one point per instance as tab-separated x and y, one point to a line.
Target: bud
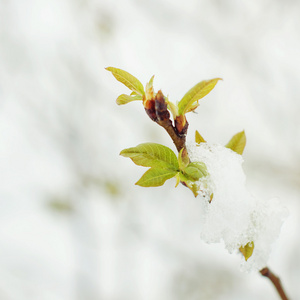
161	107
149	102
181	124
149	106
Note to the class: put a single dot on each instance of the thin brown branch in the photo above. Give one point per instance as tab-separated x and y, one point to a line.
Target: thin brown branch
275	280
178	139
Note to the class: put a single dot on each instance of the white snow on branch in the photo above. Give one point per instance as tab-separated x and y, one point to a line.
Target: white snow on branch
234	216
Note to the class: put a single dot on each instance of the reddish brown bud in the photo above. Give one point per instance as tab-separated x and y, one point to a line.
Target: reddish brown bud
149	106
161	107
181	124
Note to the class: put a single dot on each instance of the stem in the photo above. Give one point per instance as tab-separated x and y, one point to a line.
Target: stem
178	139
275	280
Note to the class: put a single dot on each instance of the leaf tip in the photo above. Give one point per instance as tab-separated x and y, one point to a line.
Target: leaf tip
198	138
247	250
237	142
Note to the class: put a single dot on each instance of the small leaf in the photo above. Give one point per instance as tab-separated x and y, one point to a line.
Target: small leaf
177	179
198	138
124	99
172	107
190	184
196	170
149	95
247	250
189	101
183	159
195	189
127	79
150	83
237	143
152	155
156	177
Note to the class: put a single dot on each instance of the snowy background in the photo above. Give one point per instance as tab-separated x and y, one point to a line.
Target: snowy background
72	223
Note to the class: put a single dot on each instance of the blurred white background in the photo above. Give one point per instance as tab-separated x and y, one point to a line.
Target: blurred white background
72	223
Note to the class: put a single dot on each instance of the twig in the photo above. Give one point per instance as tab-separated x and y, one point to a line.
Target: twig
275	280
178	140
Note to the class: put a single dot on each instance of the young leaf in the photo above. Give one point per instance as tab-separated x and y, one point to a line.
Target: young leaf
149	94
237	143
189	101
247	250
195	170
183	159
156	177
152	155
180	177
198	138
124	99
127	79
150	83
172	107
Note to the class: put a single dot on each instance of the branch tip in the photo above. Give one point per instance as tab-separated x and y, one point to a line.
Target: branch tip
266	272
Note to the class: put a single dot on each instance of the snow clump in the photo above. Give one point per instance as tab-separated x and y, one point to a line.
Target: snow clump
234	216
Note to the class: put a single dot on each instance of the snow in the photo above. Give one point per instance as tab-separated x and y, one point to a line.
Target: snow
234	216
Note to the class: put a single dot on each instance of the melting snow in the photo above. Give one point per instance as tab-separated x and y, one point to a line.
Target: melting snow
234	216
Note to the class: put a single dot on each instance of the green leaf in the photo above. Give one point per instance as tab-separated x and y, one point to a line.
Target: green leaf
172	107
152	155
183	159
190	184
156	177
150	83
124	99
247	250
127	79
237	143
189	102
196	170
198	138
149	89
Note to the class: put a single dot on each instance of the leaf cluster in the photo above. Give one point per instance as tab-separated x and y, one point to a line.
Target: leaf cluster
188	103
164	164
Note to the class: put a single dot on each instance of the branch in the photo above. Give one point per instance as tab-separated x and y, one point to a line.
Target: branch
275	280
178	139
